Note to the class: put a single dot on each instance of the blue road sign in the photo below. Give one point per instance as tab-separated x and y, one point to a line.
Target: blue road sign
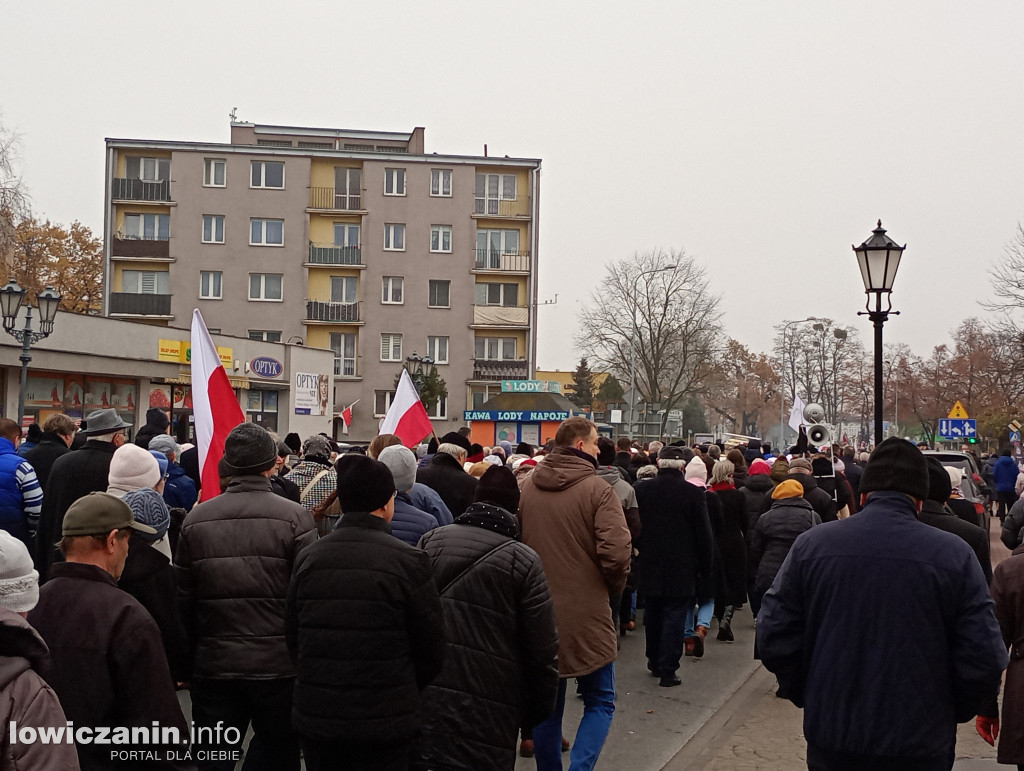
957	428
1015	436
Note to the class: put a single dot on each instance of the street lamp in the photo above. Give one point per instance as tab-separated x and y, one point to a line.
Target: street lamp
878	259
11	298
782	375
415	364
632	345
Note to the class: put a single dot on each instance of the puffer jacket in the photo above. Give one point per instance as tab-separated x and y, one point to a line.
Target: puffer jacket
409	523
1004	474
27	700
232	565
755	492
774	534
366	631
574	521
499	614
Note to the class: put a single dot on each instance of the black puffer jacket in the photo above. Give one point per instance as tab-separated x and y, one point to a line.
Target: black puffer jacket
756	491
445	475
366	631
232	565
499	615
774	534
935	514
820	500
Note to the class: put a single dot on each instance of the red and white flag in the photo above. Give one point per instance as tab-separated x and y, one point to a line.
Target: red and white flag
346	417
407	417
214	405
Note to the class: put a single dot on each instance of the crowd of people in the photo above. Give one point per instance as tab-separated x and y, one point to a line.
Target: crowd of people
380	608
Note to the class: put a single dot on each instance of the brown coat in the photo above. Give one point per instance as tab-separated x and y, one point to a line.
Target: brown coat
574	521
1008	592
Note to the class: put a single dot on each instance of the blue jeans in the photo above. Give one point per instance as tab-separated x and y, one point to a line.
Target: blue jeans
598	691
705	609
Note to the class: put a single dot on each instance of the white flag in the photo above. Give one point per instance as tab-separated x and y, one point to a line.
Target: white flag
796	415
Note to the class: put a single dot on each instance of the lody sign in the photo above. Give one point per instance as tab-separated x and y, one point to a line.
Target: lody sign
531	386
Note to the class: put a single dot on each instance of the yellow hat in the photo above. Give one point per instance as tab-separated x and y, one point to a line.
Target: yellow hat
788	488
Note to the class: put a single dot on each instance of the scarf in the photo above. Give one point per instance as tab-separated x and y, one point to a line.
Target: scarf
727	485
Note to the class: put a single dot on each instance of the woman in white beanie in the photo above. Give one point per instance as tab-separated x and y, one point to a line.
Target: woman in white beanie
132	468
25	698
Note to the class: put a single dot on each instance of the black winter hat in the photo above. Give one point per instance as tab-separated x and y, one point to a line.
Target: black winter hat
432	446
249	449
498	486
454	437
294	443
524	448
605	451
939	485
364	484
898	465
157	418
822	467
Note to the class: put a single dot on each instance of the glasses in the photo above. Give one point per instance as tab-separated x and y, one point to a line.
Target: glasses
394	495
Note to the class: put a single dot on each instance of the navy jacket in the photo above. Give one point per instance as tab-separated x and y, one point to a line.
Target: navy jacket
179	489
409	523
882	629
1005	473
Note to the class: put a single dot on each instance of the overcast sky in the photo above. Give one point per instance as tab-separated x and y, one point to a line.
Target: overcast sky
762	138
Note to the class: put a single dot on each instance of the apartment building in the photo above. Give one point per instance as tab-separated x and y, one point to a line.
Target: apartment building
356	241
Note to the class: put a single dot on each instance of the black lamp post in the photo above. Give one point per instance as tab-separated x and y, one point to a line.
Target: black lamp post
415	364
11	298
879	259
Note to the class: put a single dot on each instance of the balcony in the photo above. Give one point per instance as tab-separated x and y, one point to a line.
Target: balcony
156	191
322	254
133	304
500	316
329	199
515	208
502	262
501	369
130	247
318	311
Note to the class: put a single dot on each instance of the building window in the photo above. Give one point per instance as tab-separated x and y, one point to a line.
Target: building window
441	238
506	295
394	237
267	174
147	169
390	347
348	190
391	292
346	234
215	172
382	402
213	228
210	287
491	244
441	182
265	335
266	232
437	348
151	227
145	282
494	348
344	289
344	346
439	293
265	286
491	188
439	409
394	181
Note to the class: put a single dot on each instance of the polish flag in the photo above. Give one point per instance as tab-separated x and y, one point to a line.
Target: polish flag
214	405
346	416
407	418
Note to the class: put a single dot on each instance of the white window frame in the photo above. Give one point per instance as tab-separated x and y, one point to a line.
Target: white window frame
152	174
262	298
213	218
502	299
395	179
392	232
439	409
387	290
140	230
438	233
430	282
389	397
263	231
436	345
264	334
215	283
154	282
263	175
440	175
210	172
499	345
346	233
393	342
340	359
494	191
345	283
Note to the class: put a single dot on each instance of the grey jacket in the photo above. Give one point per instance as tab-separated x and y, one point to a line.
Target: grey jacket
774	534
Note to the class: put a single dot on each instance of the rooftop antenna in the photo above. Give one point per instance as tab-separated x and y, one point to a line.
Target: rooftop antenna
233	114
548	302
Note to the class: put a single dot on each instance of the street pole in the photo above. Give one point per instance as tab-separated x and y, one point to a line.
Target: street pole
877	318
25	358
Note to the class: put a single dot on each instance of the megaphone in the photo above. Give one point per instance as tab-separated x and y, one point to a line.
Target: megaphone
813	413
817	434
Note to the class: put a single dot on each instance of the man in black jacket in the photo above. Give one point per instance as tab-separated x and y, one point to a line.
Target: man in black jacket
802	471
935	513
58	433
446	476
366	631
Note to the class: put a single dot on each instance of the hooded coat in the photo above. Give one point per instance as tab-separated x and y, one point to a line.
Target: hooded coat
820	500
1008	592
574	521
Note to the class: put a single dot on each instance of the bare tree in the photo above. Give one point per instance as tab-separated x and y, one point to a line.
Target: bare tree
14	203
677	337
1007	276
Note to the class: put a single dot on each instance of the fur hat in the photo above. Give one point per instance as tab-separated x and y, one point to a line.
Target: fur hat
249	449
364	484
454	437
789	488
897	465
939	485
402	463
131	467
697	469
19	581
498	486
149	508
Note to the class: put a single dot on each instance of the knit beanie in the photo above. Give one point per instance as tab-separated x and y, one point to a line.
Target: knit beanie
293	442
759	466
801	463
157	418
697	469
161	461
249	449
897	465
780	469
402	463
524	448
498	486
605	451
149	508
790	488
131	467
364	484
506	446
939	485
19	582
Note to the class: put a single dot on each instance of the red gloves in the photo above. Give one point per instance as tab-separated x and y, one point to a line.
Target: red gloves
988	728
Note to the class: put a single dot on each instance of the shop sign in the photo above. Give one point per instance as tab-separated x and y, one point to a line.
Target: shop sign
524	416
180	351
312	393
266	367
531	386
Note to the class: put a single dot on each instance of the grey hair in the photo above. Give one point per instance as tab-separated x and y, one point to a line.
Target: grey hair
671	463
716	452
652	448
450	448
105	437
646	472
721	471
